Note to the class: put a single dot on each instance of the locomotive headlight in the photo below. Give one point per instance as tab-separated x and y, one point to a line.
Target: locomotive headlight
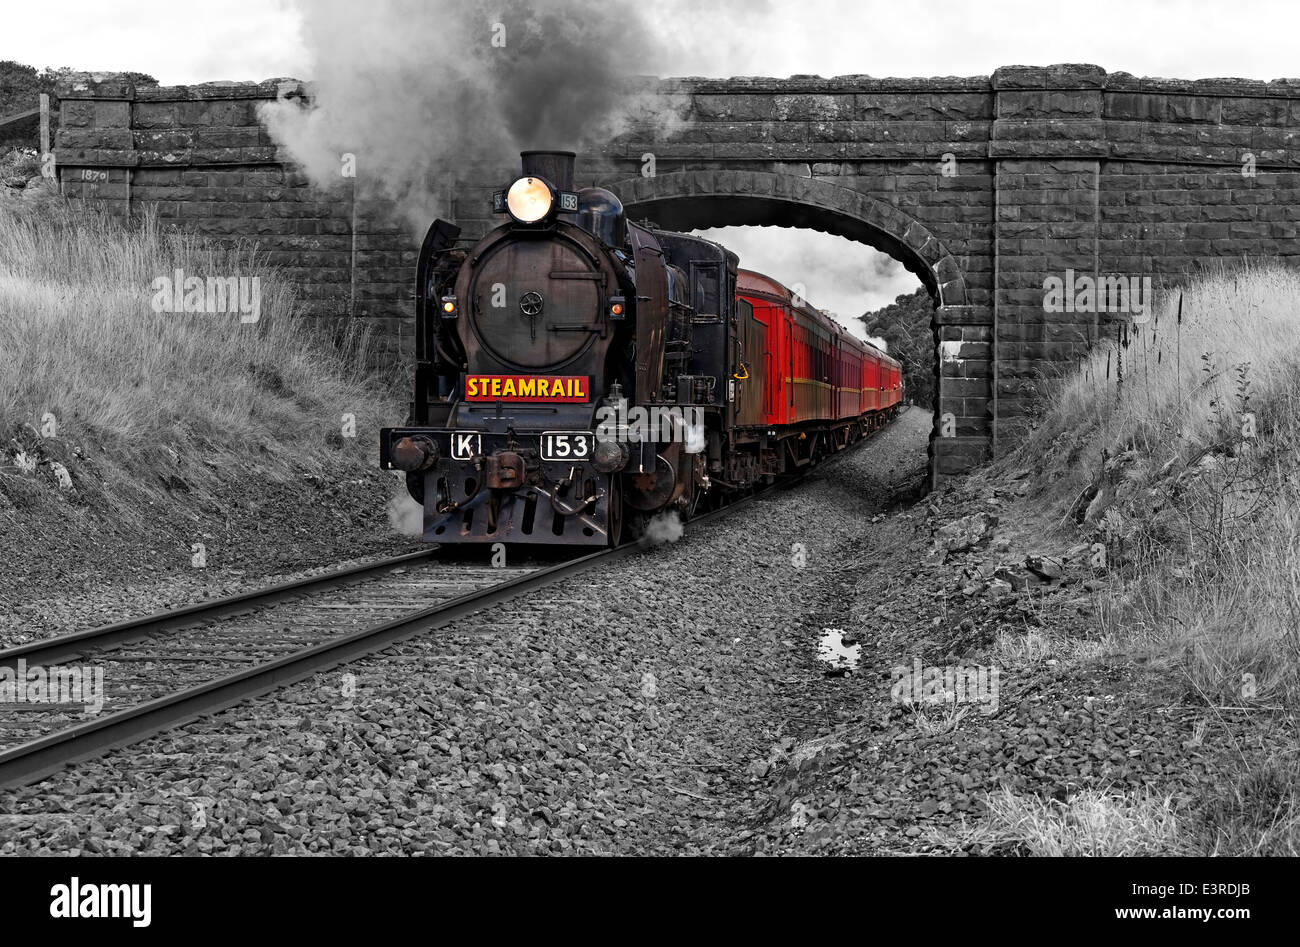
529	200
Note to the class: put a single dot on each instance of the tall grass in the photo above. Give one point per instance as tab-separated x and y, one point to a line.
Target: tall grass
1178	449
1182	372
80	341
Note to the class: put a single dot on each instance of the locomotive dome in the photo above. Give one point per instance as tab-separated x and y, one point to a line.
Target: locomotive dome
600	213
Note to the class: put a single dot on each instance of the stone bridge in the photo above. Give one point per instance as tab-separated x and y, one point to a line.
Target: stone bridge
982	187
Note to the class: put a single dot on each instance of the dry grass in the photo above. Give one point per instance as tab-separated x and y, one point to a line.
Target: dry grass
946	718
1091	823
1187	472
1011	649
1180	372
1258	811
179	393
1254	812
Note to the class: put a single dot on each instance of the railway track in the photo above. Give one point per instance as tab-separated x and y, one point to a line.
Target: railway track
166	669
170	668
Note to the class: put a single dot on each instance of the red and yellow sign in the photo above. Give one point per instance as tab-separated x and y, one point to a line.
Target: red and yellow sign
549	389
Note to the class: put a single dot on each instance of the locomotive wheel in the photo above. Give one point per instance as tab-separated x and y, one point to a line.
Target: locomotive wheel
614	528
626	525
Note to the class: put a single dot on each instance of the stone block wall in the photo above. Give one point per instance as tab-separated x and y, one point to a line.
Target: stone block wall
983	187
201	159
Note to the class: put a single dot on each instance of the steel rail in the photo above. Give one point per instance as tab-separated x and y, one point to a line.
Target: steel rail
64	648
46	755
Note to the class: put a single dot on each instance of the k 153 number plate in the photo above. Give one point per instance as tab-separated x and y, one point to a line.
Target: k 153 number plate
563	445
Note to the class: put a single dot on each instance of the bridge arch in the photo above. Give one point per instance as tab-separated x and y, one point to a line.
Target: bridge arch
697	199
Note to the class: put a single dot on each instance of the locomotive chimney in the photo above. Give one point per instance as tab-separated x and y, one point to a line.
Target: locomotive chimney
555	166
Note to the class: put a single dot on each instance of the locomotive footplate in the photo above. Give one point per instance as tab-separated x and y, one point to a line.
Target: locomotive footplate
517	487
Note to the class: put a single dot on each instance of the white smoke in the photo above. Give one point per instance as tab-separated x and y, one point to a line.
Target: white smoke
419	91
664	528
404	514
857	329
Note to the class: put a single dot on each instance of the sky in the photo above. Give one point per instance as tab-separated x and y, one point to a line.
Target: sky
185	43
182	43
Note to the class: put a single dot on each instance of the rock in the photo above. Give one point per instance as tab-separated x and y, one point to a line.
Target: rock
999	587
966	533
61	476
1018	581
1048	567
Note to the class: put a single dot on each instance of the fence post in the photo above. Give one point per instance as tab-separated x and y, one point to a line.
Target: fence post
45	124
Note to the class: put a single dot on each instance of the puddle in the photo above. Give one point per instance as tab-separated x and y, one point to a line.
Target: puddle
832	650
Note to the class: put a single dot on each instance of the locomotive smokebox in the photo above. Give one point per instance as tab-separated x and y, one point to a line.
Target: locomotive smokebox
554	166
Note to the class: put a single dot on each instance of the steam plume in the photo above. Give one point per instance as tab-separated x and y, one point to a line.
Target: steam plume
664	528
420	90
405	516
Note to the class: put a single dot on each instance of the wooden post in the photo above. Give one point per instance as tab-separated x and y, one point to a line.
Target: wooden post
352	278
45	124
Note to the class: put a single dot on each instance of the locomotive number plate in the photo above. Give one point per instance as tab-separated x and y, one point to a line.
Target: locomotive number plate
560	445
466	446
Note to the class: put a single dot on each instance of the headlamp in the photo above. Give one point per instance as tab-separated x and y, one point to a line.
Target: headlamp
530	200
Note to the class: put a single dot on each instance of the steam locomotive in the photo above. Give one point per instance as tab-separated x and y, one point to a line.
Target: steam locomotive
578	373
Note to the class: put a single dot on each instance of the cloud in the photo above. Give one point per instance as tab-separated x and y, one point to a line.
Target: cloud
254	39
839	275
